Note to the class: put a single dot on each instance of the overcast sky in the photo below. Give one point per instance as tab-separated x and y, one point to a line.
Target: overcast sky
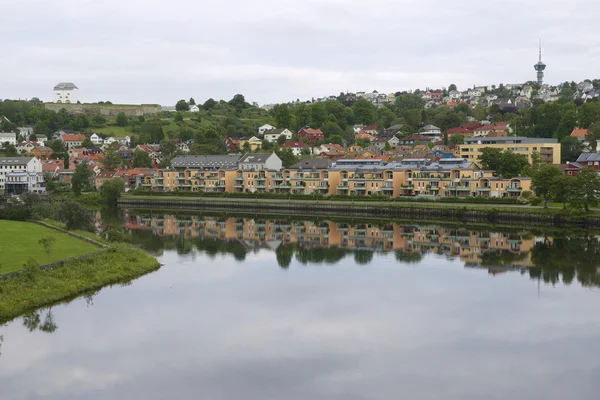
158	51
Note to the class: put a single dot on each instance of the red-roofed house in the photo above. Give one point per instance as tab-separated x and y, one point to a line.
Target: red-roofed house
311	135
102	177
370	129
74	140
497	127
296	147
580	134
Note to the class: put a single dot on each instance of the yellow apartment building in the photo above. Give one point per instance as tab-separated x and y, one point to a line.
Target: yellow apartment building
548	149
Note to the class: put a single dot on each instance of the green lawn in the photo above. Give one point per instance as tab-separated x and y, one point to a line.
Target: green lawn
19	241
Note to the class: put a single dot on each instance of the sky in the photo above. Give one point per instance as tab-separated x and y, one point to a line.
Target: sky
157	51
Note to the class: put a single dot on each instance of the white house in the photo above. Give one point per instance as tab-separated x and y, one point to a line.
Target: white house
20	181
266	127
96	139
258	161
9	137
66	92
121	140
194	108
25	146
274	134
25	131
75	140
9	164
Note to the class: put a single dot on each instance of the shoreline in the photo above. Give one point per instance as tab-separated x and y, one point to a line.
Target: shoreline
457	212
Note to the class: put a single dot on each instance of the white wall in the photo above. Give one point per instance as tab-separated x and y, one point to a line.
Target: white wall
66	96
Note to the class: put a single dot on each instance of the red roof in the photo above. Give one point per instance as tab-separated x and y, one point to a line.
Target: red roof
293	144
309	130
73	138
580	133
370	128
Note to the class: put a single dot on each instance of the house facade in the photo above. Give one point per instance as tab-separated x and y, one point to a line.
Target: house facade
8	137
10	164
310	135
258	161
548	149
274	134
72	140
66	92
266	127
20	181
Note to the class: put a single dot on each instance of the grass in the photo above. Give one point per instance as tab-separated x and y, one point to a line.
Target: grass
34	289
19	242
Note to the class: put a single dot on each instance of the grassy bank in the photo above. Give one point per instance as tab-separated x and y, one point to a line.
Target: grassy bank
34	288
19	241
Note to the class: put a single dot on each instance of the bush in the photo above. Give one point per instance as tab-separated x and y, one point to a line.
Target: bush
536	201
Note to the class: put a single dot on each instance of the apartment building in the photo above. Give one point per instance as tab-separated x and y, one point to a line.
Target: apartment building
547	148
11	164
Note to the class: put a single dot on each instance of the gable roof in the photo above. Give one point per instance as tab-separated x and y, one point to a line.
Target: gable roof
255	158
206	161
587	157
311	131
310	163
276	131
292	144
73	138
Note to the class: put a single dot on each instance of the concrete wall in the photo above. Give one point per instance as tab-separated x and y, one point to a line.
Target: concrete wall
104	109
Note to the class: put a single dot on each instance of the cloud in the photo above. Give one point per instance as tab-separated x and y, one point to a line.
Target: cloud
271	51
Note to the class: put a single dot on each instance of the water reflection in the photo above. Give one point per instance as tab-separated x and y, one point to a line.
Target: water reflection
551	259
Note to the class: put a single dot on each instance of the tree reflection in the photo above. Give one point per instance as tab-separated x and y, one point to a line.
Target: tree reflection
408	258
33	321
363	257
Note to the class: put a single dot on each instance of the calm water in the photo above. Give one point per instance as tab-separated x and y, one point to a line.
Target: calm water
259	308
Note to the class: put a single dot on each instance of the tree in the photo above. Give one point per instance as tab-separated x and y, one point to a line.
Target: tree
331	129
512	164
98	120
87	143
47	243
182	105
141	159
238	102
407	101
562	189
111	190
10	150
318	115
122	119
283	116
585	188
544	181
208	104
456	139
570	149
167	147
287	157
66	160
281	139
178	117
451	87
81	177
364	111
111	160
192	102
490	158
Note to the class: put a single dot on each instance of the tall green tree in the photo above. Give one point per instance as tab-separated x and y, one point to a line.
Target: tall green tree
364	112
570	149
81	177
283	116
111	190
122	119
111	160
585	189
544	182
182	105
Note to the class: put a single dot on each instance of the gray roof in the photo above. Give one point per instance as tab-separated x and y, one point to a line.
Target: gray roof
65	86
206	161
310	163
255	158
14	160
508	140
276	131
447	164
585	157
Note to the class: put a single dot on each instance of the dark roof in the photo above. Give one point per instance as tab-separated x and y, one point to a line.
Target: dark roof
255	158
310	163
277	131
65	86
206	161
585	157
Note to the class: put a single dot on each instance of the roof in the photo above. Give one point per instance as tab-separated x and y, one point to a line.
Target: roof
294	144
415	137
276	131
370	128
15	160
255	158
316	163
206	161
587	157
580	133
509	140
65	86
311	131
431	127
73	138
105	174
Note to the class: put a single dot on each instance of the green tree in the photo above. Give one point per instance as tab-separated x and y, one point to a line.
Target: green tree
491	158
287	157
331	129
192	102
167	147
178	117
562	189
451	87
81	177
98	120
456	139
209	104
544	181
10	150
283	116
281	139
182	105
111	190
66	160
111	160
122	119
141	159
512	164
364	111
408	101
318	115
47	243
87	143
570	149
585	189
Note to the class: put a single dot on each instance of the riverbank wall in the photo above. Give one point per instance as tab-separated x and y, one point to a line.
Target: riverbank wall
466	213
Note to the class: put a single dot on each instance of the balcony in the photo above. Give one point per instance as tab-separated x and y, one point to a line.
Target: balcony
238	178
342	187
514	189
547	152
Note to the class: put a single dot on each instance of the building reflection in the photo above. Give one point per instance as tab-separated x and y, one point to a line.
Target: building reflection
496	251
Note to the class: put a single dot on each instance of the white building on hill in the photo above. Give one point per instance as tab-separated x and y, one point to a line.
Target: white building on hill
66	92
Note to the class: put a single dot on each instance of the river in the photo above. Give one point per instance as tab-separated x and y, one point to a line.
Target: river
280	308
